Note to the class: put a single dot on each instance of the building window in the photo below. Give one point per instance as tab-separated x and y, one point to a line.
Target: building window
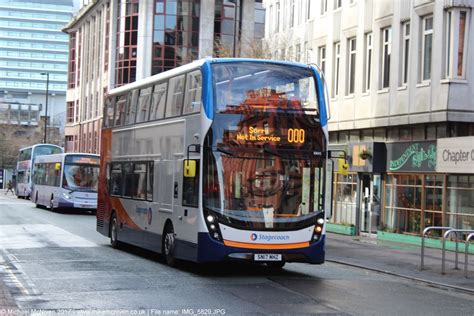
226	28
322	58
456	38
277	16
127	38
405	53
292	13
460	199
72	60
386	51
270	19
107	36
351	45
337	61
308	9
337	4
368	61
70	112
324	6
427	41
298	52
345	199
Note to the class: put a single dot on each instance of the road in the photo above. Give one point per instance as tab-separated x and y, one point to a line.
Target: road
57	261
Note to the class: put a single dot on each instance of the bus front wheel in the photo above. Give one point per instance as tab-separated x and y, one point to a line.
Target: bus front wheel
169	245
114	232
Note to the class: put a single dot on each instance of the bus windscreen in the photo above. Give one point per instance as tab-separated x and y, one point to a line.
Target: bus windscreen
251	87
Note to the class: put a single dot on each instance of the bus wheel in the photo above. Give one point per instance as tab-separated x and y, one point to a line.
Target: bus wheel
114	232
51	204
169	245
36	200
276	265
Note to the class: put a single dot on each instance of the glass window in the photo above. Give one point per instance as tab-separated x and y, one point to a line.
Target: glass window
109	112
461	41
337	62
120	110
386	52
139	181
322	58
427	31
149	181
240	87
131	107
368	61
192	101
81	177
351	66
129	182
175	96
144	104
405	53
158	102
116	179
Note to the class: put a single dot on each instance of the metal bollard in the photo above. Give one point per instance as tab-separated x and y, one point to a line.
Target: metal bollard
466	254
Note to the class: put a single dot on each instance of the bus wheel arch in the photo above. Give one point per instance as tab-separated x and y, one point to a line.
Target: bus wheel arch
36	200
169	244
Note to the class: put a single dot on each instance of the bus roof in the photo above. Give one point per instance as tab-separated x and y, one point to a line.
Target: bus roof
196	65
36	145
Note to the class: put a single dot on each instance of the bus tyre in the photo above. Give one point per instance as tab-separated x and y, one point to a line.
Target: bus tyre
169	245
51	204
114	232
277	265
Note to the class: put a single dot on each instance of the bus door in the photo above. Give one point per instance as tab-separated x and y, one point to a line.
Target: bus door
165	196
189	200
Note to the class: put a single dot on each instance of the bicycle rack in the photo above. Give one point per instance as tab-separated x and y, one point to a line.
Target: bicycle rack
425	231
446	235
466	253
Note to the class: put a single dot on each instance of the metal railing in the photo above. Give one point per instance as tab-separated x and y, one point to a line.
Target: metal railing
425	231
466	253
446	235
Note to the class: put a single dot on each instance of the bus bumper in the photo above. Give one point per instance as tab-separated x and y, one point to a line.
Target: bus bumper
210	250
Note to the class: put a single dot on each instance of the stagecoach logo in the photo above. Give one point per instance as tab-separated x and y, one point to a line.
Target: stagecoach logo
268	238
150	216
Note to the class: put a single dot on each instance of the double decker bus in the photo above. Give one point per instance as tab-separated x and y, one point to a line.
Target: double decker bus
24	167
66	181
217	160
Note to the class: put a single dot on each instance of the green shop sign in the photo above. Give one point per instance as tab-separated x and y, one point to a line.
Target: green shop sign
419	156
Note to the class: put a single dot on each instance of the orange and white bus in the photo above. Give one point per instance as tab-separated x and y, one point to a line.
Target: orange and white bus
220	159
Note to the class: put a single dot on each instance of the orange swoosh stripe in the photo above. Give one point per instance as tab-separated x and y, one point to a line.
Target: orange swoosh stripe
266	246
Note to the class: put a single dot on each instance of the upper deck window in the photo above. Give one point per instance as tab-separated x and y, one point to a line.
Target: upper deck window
256	87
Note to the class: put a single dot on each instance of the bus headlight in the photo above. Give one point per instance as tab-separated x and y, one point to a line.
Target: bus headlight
66	196
213	226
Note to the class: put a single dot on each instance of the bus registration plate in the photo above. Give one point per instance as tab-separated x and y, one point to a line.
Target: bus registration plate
267	257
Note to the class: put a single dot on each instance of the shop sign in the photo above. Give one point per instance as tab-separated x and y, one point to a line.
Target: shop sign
455	155
418	156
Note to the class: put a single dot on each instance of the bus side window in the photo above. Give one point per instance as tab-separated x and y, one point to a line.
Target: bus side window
131	107
139	179
149	186
129	180
116	179
158	101
109	112
144	104
192	100
191	188
120	110
174	103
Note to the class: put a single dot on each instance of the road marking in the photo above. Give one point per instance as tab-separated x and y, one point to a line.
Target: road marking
39	236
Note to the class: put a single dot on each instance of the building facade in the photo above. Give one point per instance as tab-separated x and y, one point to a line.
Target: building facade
115	42
33	59
400	75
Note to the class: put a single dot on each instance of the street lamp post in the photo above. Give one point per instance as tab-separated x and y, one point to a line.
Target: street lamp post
46	109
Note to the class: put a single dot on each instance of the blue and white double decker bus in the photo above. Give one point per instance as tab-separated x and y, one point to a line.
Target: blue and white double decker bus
25	166
220	159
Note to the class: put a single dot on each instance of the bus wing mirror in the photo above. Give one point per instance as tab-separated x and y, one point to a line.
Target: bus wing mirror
328	188
189	168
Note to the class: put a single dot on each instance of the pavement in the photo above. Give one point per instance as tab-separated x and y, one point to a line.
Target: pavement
364	252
